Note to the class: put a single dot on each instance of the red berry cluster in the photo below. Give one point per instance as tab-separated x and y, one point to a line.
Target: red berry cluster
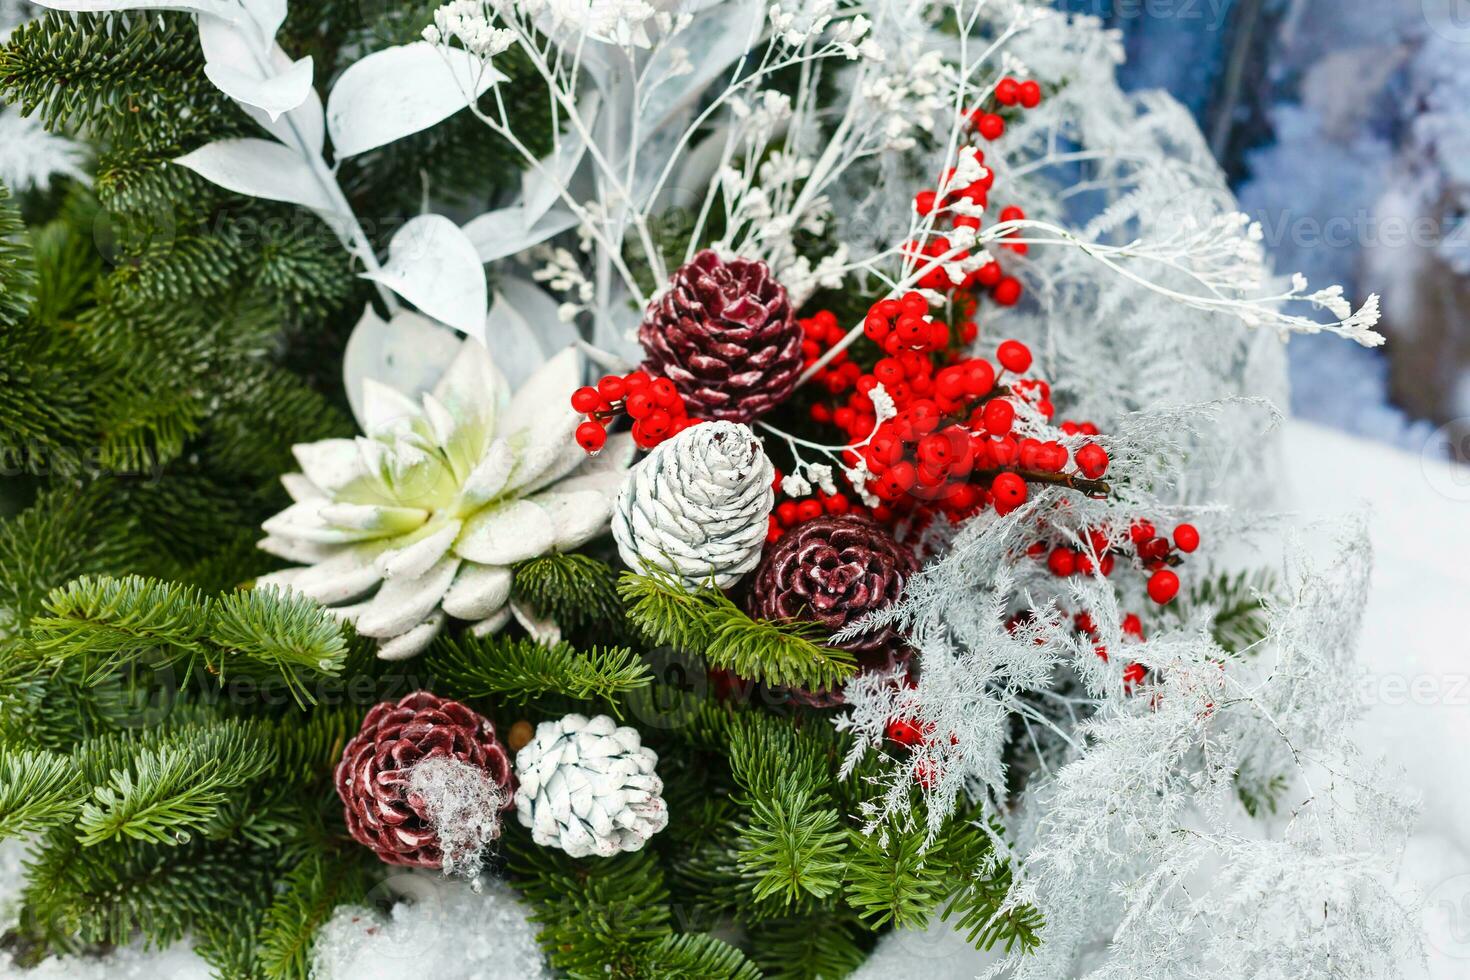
799	510
1008	93
1133	672
1004	290
654	404
1155	553
820	333
950	446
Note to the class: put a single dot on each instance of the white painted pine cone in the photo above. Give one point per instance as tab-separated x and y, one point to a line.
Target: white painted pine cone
588	787
698	506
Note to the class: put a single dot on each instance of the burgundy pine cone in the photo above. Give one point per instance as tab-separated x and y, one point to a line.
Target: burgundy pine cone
373	776
725	334
836	570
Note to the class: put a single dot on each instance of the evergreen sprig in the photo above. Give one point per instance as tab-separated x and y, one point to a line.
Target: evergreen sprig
37	790
707	623
95	625
175	785
521	671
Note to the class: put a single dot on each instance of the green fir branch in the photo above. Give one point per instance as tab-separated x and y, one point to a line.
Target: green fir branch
100	623
283	634
37	790
574	591
706	622
312	891
520	671
171	791
695	956
793	845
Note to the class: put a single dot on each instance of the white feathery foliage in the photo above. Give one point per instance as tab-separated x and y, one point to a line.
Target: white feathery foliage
1130	835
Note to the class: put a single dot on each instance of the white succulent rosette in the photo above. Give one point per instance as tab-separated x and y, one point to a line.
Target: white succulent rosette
698	506
423	516
588	787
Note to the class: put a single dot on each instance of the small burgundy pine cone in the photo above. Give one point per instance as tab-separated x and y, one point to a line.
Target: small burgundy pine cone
724	333
372	778
835	571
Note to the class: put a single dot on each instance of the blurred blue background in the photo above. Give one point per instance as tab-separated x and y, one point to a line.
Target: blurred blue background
1344	126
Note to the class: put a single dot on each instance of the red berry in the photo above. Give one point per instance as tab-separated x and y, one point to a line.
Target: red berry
1007	91
612	387
1000	414
902	476
809	509
935	450
636	380
914	304
586	400
990	126
1062	562
1007	292
1163	586
836	504
664	392
924	202
989	275
591	436
1140	531
1014	356
773	528
658	423
1029	94
1186	536
787	513
639	403
1092	460
1133	675
1012	213
903	731
1009	491
1132	625
979	378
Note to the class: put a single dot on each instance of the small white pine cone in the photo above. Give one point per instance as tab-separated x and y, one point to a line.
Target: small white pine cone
698	506
588	787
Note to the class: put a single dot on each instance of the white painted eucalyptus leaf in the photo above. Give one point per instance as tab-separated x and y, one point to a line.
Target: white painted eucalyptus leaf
507	231
398	91
434	265
251	69
260	168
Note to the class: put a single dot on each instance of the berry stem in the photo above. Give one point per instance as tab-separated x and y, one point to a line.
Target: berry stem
1093	488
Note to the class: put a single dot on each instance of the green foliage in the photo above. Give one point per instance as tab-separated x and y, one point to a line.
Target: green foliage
1236	606
95	625
706	622
594	914
695	956
792	845
313	888
16	274
174	788
37	790
521	671
576	592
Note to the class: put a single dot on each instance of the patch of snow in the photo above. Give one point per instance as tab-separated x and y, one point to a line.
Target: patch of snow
443	928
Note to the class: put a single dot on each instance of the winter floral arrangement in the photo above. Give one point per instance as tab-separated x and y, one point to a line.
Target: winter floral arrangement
739	482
